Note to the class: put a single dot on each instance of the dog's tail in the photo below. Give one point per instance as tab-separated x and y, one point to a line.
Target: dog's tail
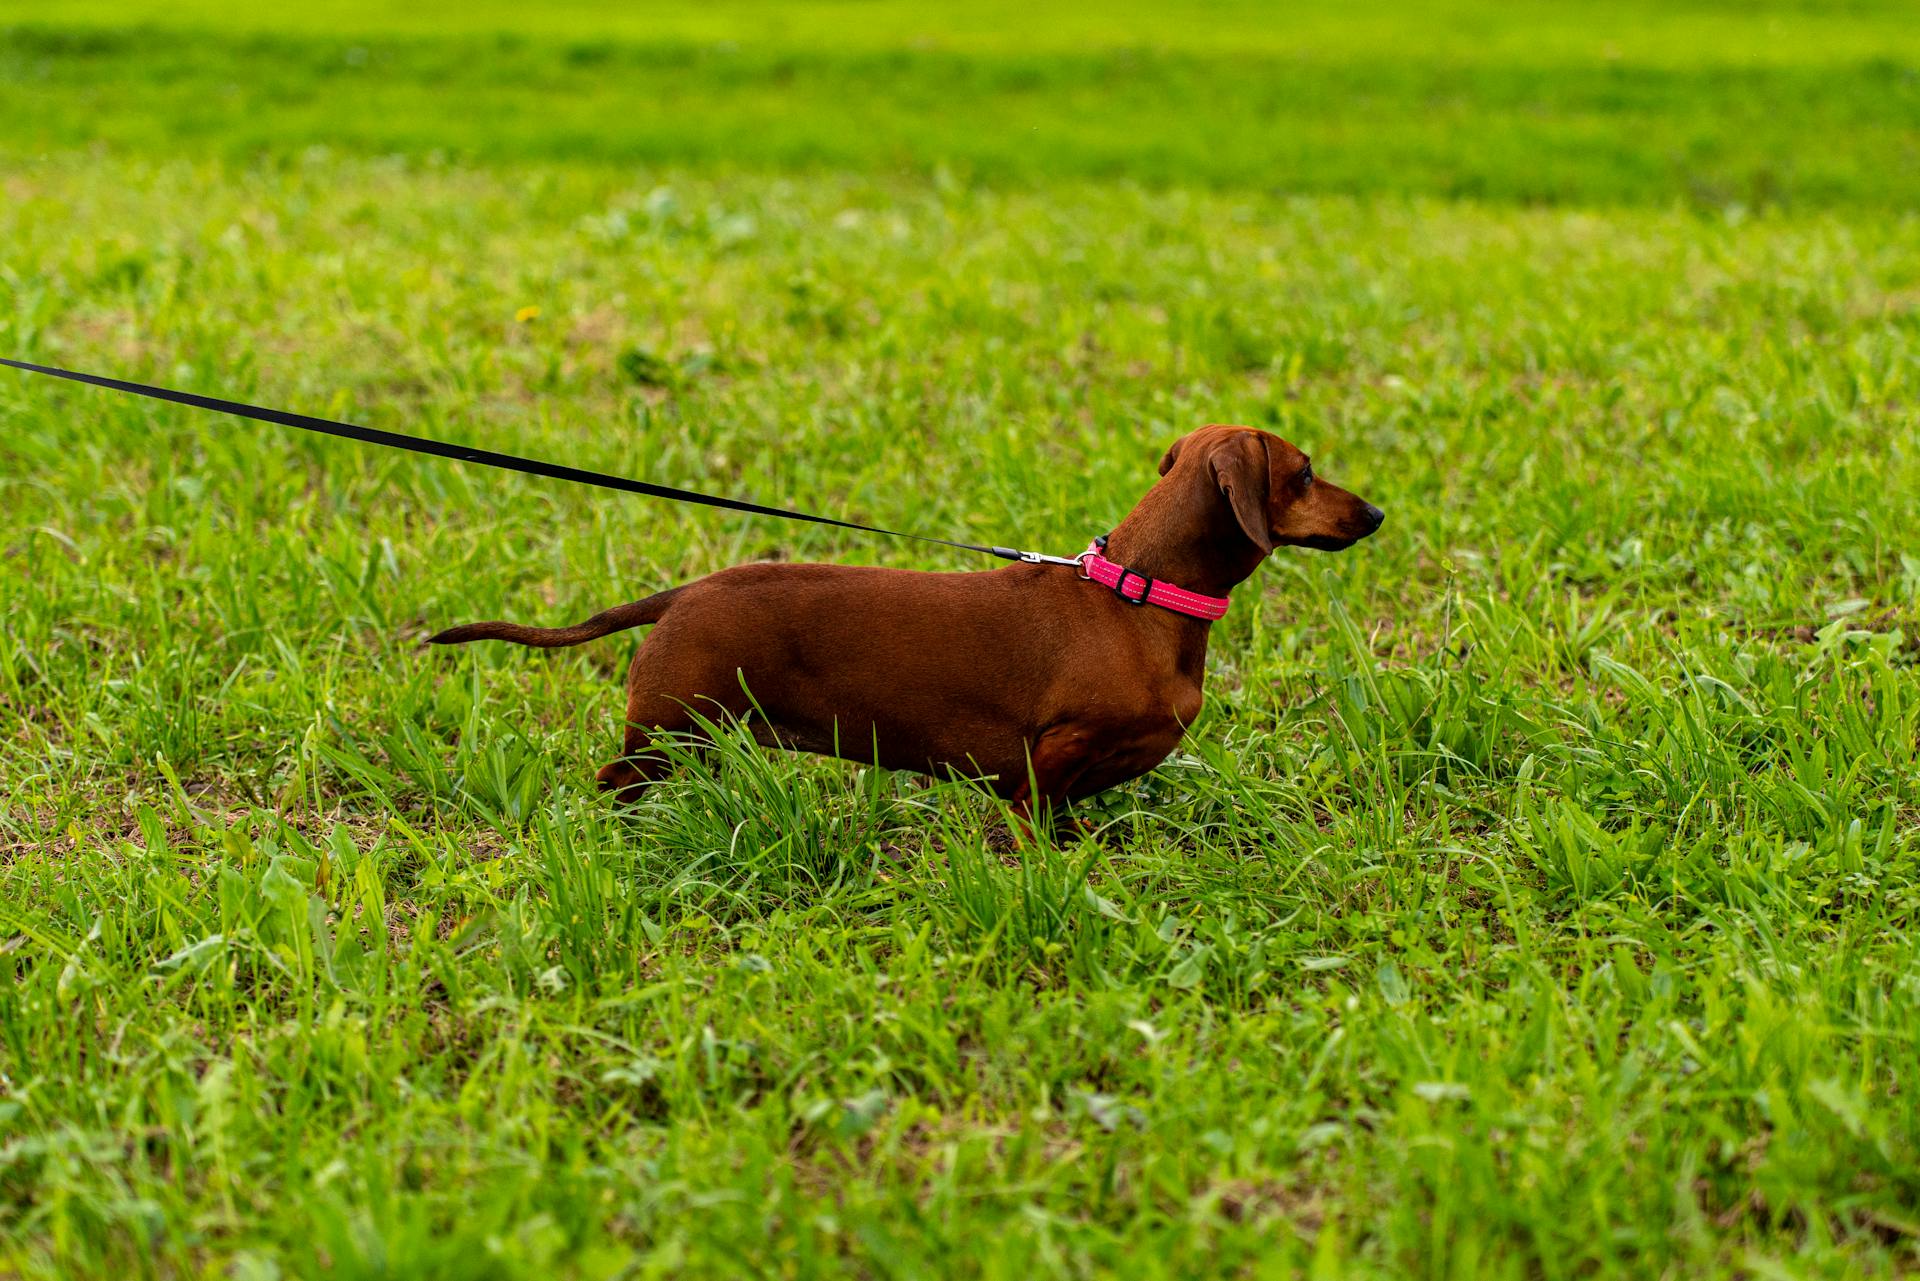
637	613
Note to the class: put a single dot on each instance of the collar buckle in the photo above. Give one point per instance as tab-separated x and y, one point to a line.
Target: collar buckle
1120	586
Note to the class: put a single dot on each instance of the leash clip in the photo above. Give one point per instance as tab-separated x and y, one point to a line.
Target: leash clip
1038	558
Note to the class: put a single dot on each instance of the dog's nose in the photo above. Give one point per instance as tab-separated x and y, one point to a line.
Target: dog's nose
1373	515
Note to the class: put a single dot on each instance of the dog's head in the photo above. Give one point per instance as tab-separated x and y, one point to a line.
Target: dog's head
1271	490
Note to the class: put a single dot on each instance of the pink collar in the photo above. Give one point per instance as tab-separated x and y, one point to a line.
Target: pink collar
1136	588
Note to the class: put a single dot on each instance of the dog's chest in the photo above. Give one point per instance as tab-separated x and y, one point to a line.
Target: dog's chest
1161	703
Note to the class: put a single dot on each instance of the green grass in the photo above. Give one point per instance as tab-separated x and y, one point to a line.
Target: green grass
1628	103
1537	896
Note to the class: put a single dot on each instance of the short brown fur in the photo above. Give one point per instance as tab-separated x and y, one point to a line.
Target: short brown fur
1029	677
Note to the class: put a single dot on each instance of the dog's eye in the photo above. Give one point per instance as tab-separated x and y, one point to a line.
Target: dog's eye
1306	474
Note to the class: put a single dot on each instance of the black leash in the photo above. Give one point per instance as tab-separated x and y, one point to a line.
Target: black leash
505	462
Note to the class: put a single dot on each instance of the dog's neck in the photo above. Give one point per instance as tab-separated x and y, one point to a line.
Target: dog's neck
1185	537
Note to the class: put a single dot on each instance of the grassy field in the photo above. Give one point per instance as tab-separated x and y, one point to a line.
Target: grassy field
1537	896
1629	102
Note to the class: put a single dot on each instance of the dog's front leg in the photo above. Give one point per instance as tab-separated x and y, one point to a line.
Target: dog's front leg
1055	762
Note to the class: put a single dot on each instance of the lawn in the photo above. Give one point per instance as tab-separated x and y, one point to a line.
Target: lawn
1536	897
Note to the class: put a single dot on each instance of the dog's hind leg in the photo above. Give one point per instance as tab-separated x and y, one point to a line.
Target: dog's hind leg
629	776
641	762
678	678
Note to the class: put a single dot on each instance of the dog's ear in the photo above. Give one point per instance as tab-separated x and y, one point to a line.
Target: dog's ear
1241	469
1173	453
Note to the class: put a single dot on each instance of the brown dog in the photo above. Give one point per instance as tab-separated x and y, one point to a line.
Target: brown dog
1045	685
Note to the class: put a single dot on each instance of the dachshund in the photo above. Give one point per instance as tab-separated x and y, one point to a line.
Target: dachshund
1046	683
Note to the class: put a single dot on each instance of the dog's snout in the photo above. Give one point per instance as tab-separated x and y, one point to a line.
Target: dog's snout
1373	516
